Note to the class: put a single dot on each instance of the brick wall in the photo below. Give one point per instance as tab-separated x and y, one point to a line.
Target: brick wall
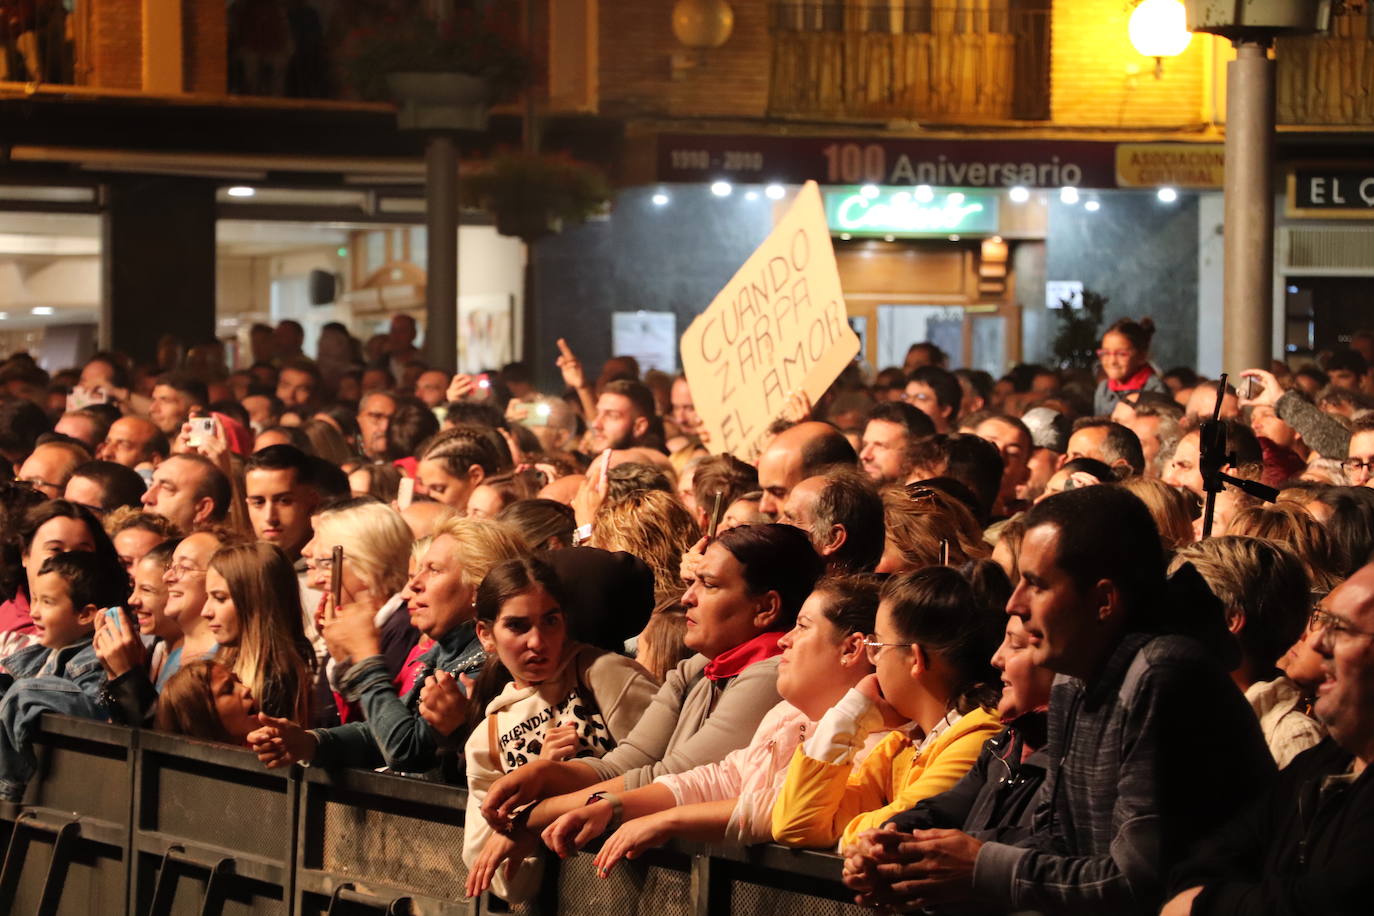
1090	53
116	44
644	69
205	38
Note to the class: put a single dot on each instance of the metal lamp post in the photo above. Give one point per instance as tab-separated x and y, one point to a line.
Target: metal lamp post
1248	316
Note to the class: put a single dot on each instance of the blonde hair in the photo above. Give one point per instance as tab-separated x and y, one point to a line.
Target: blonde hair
376	542
1261	579
653	526
273	657
482	544
917	524
1169	508
1289	524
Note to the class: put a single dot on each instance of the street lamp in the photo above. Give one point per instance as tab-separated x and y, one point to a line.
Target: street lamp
1159	29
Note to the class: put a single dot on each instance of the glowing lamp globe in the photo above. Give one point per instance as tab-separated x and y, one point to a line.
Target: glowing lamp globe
1159	28
703	23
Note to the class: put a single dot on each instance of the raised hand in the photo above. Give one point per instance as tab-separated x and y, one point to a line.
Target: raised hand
442	704
570	366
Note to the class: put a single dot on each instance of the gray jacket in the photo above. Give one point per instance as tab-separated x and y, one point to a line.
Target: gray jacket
692	720
1153	754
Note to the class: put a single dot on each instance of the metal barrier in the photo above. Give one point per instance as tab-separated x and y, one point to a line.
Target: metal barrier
141	822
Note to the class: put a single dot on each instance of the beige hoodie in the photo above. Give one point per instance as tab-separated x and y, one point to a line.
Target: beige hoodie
517	721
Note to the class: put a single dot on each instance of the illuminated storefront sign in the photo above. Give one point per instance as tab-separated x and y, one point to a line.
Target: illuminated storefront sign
882	211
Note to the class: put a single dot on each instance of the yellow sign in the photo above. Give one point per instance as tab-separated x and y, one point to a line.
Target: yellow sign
777	327
1178	165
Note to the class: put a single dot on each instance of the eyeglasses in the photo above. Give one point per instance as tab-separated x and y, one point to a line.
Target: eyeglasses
1119	354
1355	464
1322	619
918	396
875	648
183	568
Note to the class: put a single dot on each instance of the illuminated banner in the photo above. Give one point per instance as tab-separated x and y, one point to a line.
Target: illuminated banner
882	211
1180	165
760	159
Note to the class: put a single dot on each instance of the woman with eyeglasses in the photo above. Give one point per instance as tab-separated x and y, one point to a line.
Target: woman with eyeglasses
934	687
731	800
131	689
1125	359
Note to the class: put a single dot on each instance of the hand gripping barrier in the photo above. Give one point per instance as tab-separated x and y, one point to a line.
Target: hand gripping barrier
140	822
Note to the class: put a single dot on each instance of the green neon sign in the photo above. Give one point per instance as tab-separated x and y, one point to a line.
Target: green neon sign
870	210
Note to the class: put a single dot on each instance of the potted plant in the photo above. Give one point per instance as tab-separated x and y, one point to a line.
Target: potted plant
442	73
532	195
1075	346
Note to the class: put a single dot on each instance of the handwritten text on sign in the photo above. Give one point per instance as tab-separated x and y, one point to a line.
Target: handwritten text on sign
777	327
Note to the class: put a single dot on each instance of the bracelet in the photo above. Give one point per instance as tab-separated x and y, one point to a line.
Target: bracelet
582	535
617	808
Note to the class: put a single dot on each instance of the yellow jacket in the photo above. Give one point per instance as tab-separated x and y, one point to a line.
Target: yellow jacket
825	803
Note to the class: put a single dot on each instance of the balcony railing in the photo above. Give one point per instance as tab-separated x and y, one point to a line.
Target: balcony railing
37	42
1328	79
966	61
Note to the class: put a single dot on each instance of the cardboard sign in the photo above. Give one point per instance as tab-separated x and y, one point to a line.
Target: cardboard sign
777	327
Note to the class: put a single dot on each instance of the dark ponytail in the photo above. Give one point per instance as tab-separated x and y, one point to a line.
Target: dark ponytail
1139	333
959	615
504	582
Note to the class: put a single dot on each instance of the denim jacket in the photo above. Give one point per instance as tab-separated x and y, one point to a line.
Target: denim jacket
39	680
393	734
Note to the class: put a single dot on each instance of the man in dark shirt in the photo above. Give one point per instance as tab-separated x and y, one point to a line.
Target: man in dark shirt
1305	848
1151	746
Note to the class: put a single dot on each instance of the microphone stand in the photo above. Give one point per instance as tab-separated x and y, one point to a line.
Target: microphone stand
1212	457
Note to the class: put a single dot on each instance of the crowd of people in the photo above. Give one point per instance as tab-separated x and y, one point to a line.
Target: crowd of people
972	634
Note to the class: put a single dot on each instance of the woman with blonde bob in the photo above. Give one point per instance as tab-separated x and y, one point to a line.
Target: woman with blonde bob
653	526
442	606
1169	508
376	544
253	605
206	700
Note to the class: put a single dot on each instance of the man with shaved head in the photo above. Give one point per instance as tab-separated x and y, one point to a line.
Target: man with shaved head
796	454
132	441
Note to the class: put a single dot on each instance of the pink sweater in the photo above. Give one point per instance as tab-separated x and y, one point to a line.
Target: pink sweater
754	774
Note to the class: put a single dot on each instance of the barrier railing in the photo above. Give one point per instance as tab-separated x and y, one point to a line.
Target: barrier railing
141	822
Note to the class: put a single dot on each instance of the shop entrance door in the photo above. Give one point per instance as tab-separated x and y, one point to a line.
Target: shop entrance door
972	336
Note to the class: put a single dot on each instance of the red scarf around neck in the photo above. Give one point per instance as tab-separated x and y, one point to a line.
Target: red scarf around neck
1134	382
732	661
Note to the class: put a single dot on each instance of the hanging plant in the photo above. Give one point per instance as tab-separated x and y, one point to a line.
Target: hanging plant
466	42
532	195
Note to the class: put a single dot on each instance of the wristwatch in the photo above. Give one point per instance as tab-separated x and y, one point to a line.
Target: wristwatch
617	808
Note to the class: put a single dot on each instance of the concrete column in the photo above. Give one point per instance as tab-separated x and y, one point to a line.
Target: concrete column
441	300
1249	226
158	263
